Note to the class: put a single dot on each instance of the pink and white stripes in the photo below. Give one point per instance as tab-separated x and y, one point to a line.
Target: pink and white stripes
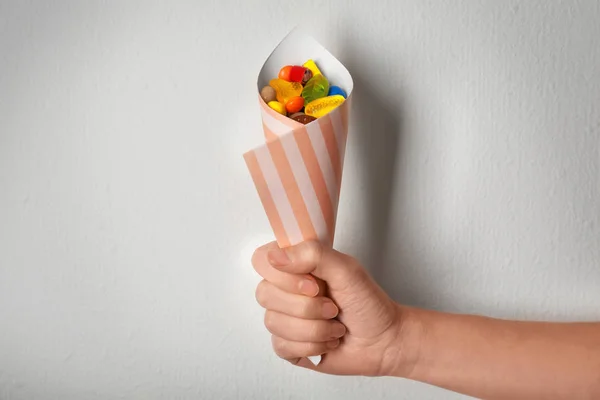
298	174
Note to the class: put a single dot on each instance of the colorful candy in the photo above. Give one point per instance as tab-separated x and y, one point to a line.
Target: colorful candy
304	119
294	104
302	93
316	88
277	106
295	73
324	105
333	90
268	94
285	90
284	73
306	77
310	64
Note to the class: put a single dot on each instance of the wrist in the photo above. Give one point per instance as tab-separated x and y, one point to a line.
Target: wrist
404	351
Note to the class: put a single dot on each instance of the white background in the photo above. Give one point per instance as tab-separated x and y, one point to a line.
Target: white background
127	217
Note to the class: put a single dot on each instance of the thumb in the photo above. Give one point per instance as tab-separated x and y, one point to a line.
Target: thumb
311	257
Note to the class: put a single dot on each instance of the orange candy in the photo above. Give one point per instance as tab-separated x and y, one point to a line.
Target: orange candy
285	73
294	104
285	90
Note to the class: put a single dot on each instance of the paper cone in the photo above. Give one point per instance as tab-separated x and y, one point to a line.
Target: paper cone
298	171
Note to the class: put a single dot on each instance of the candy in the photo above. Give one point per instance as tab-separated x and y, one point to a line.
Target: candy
284	73
317	87
333	90
285	90
310	64
324	105
268	94
277	106
297	73
294	73
302	88
307	75
294	104
304	119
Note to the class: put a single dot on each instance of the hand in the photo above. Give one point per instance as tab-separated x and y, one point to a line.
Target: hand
304	288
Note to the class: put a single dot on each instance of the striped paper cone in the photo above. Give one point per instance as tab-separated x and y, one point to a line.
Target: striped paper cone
298	170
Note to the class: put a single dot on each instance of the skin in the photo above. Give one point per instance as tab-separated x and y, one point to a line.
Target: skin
321	302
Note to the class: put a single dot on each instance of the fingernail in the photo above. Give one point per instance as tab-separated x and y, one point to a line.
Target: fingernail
332	344
308	287
329	310
338	330
278	258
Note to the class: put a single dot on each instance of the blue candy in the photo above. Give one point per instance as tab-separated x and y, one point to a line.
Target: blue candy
333	90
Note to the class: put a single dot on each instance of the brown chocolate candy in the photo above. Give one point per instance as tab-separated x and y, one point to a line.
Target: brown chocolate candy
306	77
268	94
304	119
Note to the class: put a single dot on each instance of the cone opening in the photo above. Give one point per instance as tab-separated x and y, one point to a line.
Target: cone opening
295	49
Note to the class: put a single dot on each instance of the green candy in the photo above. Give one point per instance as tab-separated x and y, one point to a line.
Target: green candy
316	87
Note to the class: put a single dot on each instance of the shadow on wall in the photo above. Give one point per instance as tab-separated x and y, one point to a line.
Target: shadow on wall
376	122
381	129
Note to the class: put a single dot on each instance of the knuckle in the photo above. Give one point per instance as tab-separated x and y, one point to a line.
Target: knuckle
270	321
261	293
305	308
316	331
314	252
279	346
256	256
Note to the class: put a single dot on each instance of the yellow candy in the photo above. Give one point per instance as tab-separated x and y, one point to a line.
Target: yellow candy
319	107
285	90
310	64
277	106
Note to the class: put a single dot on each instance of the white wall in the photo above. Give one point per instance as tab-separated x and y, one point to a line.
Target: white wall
127	217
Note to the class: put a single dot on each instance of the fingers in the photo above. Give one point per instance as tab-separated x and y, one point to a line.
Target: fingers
292	351
303	330
292	283
272	298
301	322
338	270
300	259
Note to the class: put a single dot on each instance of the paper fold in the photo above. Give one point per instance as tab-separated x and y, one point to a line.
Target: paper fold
298	170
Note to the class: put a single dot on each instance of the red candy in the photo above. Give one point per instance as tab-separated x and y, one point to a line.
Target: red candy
294	104
284	73
297	73
292	73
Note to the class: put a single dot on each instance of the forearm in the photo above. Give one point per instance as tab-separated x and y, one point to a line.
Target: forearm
496	359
